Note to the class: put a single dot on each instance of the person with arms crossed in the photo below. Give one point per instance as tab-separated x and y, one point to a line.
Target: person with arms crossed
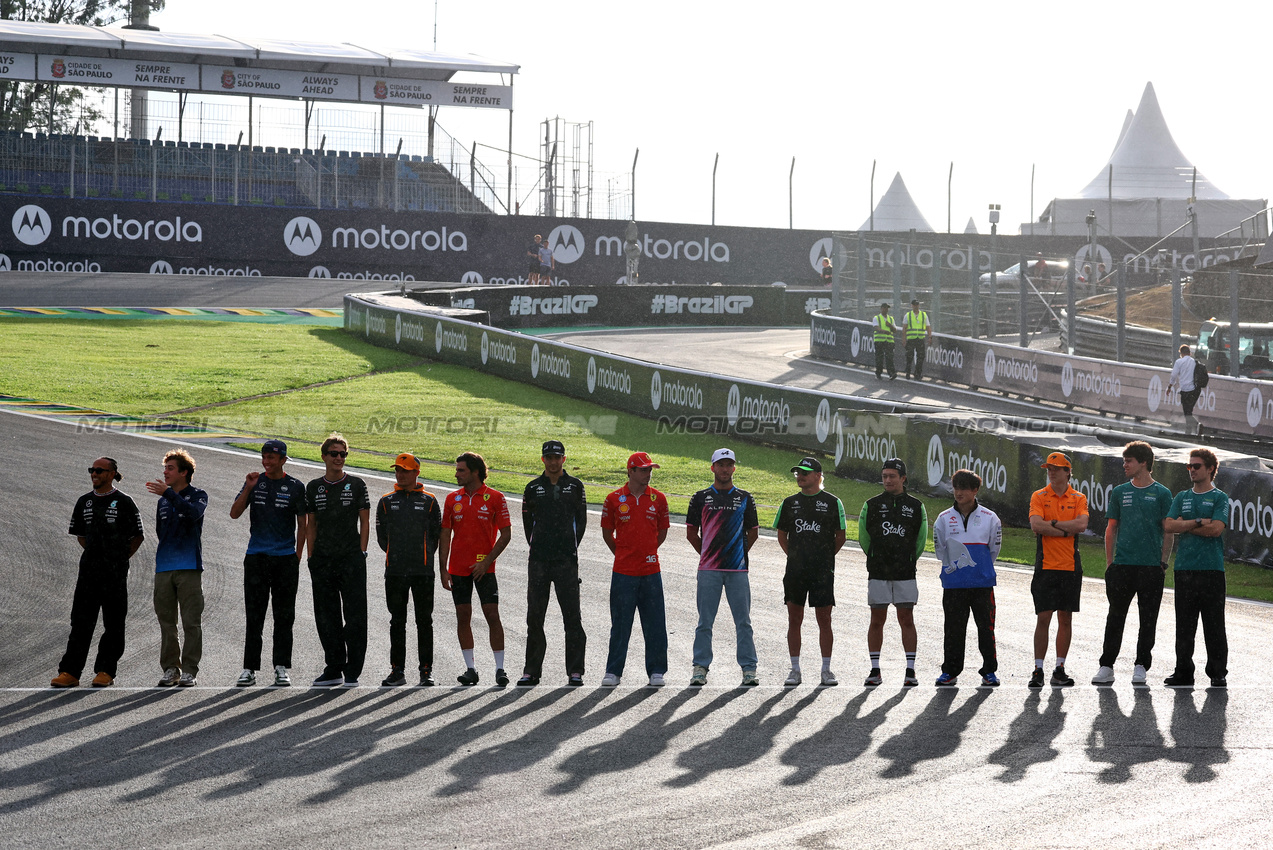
179	569
1136	552
475	530
966	541
634	524
408	526
272	565
892	530
1058	514
885	329
722	527
107	525
811	528
337	530
919	332
1198	517
554	518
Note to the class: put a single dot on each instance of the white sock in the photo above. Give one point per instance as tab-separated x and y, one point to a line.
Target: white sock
499	659
795	663
910	661
468	658
1038	663
875	660
1060	662
826	664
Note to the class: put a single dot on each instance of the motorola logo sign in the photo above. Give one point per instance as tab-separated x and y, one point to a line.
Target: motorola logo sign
822	421
302	236
437	338
534	361
838	427
6	265
656	390
471	279
856	343
566	243
820	249
397	331
32	225
936	461
733	404
320	271
1254	407
486	347
990	366
1067	379
592	374
1154	395
161	267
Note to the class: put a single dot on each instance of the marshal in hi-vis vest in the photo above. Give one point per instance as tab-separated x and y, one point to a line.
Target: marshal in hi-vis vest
884	328
915	323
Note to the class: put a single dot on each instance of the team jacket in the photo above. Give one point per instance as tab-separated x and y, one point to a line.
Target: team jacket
967	548
408	525
892	531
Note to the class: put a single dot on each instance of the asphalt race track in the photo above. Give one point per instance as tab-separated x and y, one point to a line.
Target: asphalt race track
589	767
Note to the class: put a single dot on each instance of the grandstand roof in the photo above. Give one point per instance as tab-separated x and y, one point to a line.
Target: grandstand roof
284	54
896	210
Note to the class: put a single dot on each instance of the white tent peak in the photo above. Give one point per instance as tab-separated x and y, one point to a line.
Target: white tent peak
896	210
1147	162
1127	122
972	226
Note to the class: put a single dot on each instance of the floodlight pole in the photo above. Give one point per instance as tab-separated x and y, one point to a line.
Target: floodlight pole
715	163
634	162
791	195
950	180
872	218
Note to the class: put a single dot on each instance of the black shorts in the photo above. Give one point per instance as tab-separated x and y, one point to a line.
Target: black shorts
1056	590
817	586
532	267
487	589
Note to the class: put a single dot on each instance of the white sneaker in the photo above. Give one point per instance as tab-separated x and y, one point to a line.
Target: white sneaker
246	678
793	678
829	679
281	677
609	681
1104	676
1139	676
656	680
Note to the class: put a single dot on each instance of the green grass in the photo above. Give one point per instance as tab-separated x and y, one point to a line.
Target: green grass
146	367
436	411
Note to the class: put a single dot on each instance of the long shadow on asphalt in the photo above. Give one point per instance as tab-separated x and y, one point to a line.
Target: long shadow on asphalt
1030	736
1124	740
744	741
1199	733
846	737
934	733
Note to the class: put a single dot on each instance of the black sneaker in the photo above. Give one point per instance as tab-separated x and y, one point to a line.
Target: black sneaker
1036	678
1060	680
394	679
426	678
1222	682
527	681
501	678
1176	680
873	679
330	678
468	677
575	680
910	680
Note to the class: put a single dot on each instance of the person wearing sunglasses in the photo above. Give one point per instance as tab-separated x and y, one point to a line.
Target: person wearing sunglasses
1198	517
107	525
337	531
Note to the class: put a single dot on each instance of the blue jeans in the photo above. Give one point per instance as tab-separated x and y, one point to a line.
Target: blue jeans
628	596
738	593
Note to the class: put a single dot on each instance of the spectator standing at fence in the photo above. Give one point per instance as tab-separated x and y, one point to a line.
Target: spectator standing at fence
107	525
1058	514
828	274
554	518
532	260
408	527
546	263
634	524
1182	380
919	332
1136	551
892	530
275	502
179	569
1198	518
885	328
966	541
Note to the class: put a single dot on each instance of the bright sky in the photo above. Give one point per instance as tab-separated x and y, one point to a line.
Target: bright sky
995	88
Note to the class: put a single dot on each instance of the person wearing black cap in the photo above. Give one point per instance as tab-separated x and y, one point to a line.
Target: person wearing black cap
918	334
408	527
892	530
811	531
554	518
885	328
272	565
107	525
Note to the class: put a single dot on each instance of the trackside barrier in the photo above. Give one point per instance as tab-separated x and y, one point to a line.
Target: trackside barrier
1234	405
1008	461
682	400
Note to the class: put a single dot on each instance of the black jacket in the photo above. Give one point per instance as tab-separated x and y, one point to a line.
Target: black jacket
408	524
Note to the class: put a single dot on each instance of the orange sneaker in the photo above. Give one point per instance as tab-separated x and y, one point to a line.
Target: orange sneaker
65	680
103	680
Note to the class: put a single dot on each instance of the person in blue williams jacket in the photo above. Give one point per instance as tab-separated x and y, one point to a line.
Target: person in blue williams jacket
966	540
179	569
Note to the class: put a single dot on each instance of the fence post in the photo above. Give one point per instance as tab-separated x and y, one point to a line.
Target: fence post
154	173
1177	302
897	279
936	298
861	275
72	192
974	295
1120	342
1235	339
236	175
1071	323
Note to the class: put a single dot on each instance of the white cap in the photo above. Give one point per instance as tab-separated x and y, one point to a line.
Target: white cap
722	454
